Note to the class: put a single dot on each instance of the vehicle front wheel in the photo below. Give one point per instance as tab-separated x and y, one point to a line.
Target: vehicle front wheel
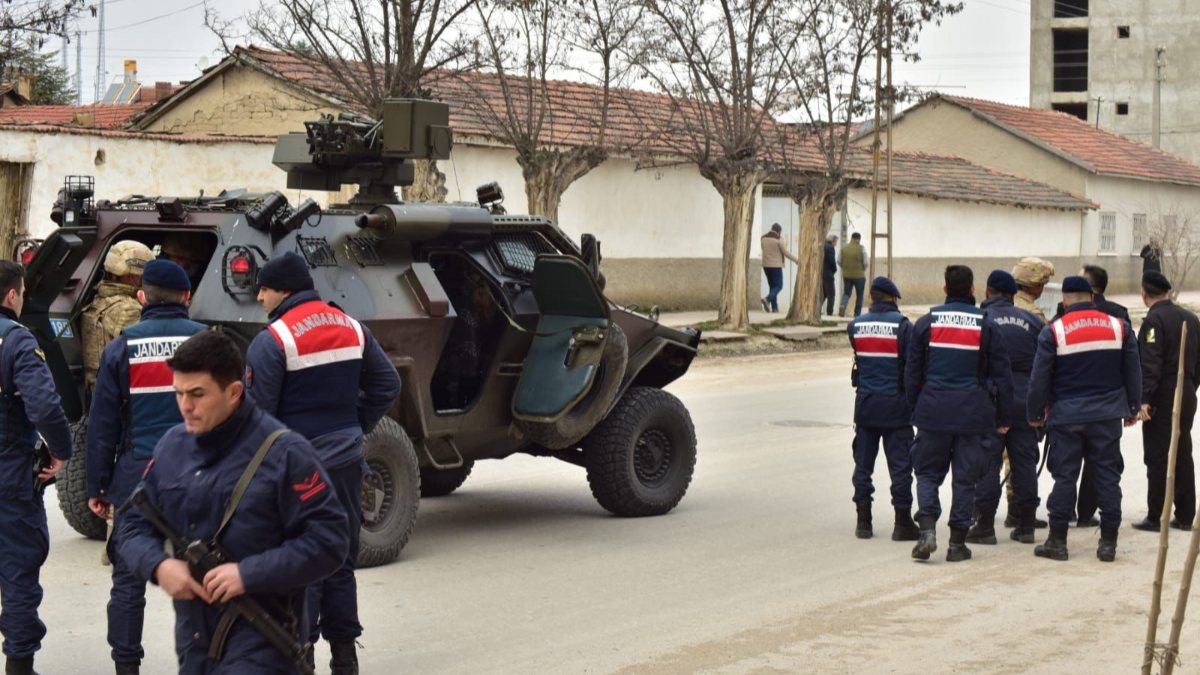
640	458
391	492
71	486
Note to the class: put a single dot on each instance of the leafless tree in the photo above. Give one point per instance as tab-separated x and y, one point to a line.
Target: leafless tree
559	130
26	25
369	50
1173	231
722	64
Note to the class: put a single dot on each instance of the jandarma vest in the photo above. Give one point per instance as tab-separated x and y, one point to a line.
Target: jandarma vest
16	431
324	350
1089	347
876	352
955	341
151	405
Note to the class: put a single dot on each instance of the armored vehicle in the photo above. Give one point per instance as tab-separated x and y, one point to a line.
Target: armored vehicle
496	323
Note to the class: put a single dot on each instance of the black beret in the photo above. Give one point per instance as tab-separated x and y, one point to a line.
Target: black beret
1002	281
885	285
1156	281
166	274
287	272
1076	285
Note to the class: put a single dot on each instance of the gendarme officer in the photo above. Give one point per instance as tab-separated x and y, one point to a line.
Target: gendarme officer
881	413
959	385
323	374
31	407
1086	379
133	405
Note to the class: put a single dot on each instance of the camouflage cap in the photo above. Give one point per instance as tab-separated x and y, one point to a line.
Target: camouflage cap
1033	271
127	257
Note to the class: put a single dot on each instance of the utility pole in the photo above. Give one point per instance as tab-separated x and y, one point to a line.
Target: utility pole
1098	100
1159	64
78	67
65	41
875	144
891	94
100	55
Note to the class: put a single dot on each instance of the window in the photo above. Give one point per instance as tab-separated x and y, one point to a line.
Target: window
1070	9
1140	235
1070	60
1108	232
1122	108
1079	110
1122	32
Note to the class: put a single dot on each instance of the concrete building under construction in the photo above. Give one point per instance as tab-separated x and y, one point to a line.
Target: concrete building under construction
1099	60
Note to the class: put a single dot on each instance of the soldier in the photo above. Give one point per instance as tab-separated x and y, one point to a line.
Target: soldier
323	374
189	251
31	407
880	341
1019	331
1086	379
133	405
1160	353
956	357
286	532
115	304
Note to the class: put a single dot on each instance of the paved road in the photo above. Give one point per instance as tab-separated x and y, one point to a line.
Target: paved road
757	571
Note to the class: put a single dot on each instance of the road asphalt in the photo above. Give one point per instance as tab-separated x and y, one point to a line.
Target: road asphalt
756	571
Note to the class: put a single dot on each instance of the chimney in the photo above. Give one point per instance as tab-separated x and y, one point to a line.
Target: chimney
161	90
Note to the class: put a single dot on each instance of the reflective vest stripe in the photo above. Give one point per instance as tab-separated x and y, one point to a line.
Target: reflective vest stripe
877	346
148	371
1088	332
956	330
317	347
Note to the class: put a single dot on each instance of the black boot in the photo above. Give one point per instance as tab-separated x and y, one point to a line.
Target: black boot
983	532
1107	550
926	539
1012	518
344	660
905	529
1024	529
863	529
129	668
958	551
22	666
1055	547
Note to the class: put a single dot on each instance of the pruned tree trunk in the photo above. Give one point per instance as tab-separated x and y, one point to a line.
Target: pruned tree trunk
816	212
429	183
549	172
737	191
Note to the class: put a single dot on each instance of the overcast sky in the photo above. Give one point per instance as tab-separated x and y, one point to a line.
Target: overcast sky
982	52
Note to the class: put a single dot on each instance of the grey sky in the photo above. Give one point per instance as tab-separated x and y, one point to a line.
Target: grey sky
982	52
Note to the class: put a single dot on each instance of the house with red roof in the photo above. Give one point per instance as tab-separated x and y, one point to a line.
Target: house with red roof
1139	191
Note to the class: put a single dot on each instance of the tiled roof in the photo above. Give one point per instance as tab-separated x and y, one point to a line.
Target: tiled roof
143	135
1075	140
945	177
100	116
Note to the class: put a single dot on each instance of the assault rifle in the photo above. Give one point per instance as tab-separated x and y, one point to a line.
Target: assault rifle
203	556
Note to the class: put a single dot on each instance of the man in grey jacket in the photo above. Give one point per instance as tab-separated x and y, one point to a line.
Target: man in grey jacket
774	250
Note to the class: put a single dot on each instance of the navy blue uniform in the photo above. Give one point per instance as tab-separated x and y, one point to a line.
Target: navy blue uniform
1087	373
32	407
133	405
880	341
289	530
323	374
1019	332
956	365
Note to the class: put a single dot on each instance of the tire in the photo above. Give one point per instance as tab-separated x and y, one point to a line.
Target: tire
71	486
441	482
640	459
391	492
568	430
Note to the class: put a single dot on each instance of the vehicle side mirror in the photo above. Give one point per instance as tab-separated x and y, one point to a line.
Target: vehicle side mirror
590	253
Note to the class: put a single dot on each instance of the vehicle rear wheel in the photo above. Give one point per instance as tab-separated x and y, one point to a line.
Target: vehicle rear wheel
567	431
71	486
441	482
391	492
640	459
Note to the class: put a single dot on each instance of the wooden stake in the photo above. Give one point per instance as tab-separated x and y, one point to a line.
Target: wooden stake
1165	516
1189	566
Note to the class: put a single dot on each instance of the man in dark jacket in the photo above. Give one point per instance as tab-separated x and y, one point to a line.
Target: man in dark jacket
323	374
133	405
1019	331
880	341
1086	380
956	364
287	533
1160	352
829	272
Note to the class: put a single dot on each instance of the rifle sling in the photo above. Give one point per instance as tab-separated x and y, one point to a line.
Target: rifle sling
239	490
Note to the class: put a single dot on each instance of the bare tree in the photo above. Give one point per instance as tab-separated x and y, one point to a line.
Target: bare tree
25	26
1173	232
722	65
367	51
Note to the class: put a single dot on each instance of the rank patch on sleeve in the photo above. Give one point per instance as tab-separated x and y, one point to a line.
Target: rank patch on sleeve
1150	336
310	488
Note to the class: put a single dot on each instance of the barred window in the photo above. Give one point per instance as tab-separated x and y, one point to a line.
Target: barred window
1108	232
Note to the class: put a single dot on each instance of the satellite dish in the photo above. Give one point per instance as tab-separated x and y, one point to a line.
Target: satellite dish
202	64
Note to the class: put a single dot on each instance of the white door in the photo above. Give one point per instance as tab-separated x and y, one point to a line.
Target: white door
784	211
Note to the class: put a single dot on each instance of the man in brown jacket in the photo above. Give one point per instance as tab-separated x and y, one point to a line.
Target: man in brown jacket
774	250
